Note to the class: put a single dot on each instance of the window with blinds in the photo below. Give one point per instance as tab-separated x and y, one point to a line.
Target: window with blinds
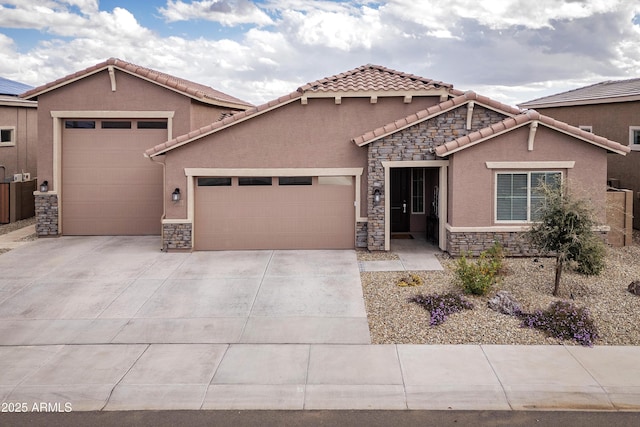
517	197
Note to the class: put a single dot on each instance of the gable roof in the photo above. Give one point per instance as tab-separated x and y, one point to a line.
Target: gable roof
11	87
193	90
526	117
435	110
362	81
599	93
373	78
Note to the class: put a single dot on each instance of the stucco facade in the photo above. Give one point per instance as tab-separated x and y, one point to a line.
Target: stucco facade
18	121
613	121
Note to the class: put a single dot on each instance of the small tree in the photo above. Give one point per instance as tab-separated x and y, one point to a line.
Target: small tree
565	229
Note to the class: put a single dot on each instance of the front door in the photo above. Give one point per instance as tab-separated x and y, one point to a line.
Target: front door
400	199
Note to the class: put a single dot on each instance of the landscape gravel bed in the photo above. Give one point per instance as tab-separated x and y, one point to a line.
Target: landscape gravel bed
12	226
392	319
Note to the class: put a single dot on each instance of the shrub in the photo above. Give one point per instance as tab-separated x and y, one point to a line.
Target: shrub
477	277
565	321
412	280
440	306
590	259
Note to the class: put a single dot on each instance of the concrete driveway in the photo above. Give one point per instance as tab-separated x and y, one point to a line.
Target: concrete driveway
116	290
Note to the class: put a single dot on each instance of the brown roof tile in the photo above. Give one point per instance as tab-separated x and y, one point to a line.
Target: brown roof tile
522	119
194	90
373	78
607	91
431	112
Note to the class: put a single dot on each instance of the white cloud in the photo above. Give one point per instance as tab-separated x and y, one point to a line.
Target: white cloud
226	12
512	50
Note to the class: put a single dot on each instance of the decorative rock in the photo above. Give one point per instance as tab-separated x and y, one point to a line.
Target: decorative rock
505	303
634	287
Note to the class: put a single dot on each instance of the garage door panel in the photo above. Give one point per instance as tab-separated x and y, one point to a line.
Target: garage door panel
108	186
275	217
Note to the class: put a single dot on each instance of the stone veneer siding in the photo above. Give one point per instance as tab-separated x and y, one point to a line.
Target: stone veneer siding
361	234
514	243
413	143
177	236
46	214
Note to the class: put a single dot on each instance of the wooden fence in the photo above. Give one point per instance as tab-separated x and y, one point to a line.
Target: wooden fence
17	201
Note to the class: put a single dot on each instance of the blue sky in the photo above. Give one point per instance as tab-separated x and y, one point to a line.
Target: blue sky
510	50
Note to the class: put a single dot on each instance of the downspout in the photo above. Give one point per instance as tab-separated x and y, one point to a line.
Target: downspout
164	188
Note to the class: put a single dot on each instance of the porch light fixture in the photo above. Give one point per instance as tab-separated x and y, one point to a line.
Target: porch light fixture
44	187
175	196
376	195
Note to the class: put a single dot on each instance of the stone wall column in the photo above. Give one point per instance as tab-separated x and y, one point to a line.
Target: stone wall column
46	214
177	236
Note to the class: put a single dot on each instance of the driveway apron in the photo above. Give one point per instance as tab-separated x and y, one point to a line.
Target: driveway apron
102	290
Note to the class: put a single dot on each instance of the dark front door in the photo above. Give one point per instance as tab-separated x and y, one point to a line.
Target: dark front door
400	199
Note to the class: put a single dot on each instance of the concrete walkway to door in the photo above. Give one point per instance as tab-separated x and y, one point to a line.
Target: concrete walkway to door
414	252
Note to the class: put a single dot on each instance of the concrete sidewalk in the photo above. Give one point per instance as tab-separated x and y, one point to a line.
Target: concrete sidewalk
321	376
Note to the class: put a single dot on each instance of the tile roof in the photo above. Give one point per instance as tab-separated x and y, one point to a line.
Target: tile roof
191	89
608	91
366	78
522	119
420	116
11	87
375	78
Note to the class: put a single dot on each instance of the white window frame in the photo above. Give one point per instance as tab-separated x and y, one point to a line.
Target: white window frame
632	144
511	172
12	142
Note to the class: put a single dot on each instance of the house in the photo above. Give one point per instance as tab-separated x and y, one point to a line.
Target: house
94	126
354	158
610	109
351	160
18	131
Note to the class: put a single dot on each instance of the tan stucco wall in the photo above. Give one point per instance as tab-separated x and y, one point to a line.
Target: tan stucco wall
20	157
611	121
93	93
471	191
205	114
316	135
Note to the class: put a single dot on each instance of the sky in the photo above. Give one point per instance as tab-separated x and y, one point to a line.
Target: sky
510	50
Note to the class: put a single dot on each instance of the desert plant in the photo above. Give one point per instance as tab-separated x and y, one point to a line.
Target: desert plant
477	277
563	320
565	230
412	280
440	306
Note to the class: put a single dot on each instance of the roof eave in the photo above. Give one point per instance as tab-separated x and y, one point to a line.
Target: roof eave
590	101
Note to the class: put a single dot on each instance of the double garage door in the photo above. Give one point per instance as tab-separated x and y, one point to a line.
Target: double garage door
270	212
108	186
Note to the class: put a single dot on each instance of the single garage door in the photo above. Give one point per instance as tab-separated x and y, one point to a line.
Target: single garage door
274	213
108	186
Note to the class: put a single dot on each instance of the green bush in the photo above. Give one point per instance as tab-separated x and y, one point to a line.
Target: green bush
590	258
477	277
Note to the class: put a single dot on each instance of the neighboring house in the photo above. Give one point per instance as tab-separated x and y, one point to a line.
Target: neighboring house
94	127
346	161
610	109
18	131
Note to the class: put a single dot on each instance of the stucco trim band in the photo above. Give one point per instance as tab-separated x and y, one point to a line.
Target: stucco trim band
531	165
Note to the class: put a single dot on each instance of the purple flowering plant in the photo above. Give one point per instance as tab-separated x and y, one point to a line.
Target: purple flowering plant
441	306
563	320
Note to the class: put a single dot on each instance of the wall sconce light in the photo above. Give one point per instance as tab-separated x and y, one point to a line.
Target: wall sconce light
44	187
175	196
376	195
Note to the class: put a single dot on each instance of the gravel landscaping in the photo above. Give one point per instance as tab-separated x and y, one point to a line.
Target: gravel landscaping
615	311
